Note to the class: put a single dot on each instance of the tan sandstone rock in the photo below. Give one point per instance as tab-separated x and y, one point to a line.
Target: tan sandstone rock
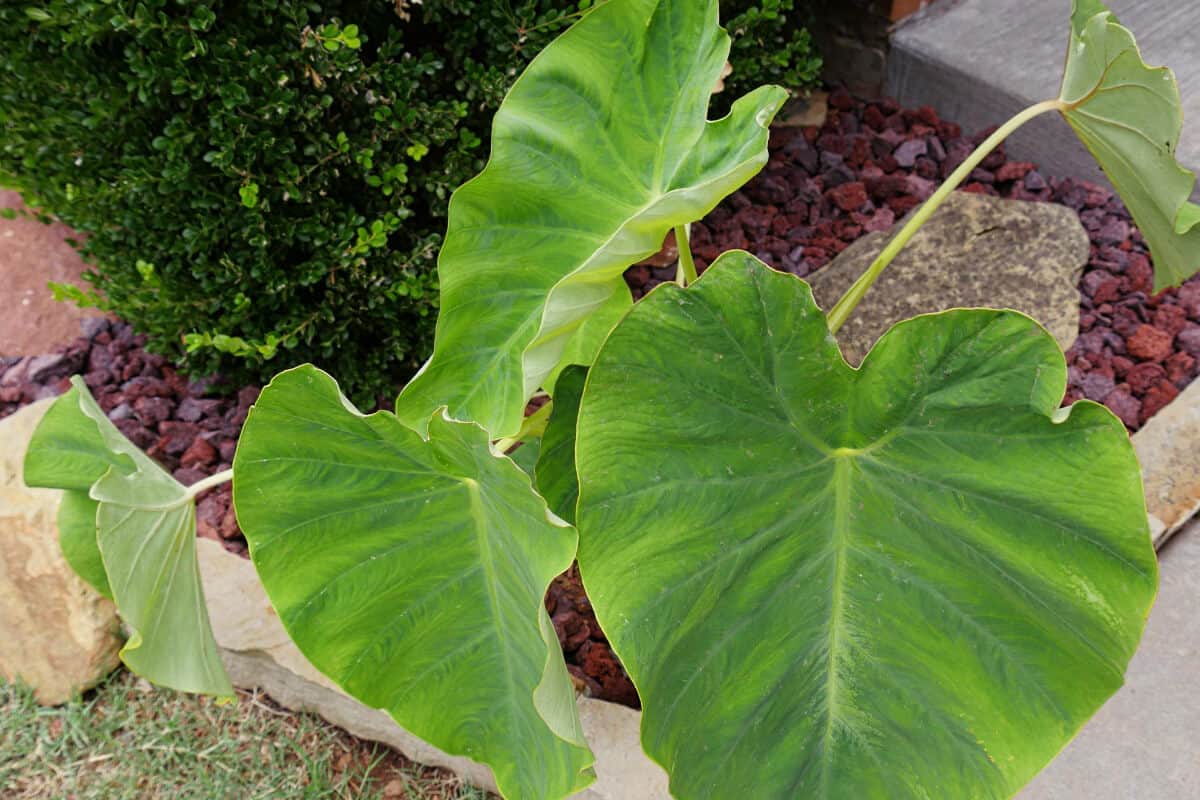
57	634
1168	448
976	251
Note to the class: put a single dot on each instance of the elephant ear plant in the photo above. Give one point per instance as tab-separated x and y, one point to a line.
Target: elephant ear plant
913	579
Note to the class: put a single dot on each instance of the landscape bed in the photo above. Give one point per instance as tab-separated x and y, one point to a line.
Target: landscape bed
823	188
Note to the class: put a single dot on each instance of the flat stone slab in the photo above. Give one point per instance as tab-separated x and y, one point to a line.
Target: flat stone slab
1142	744
976	251
978	62
1169	450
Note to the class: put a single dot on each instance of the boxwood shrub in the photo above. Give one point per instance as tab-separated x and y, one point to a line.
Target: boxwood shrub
263	182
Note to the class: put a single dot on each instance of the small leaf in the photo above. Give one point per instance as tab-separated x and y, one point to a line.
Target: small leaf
555	471
912	580
249	195
145	536
600	148
1129	115
412	572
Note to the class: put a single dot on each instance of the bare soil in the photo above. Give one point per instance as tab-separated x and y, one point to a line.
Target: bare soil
32	254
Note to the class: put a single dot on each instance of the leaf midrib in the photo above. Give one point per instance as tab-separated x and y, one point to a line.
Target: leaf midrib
490	579
838	545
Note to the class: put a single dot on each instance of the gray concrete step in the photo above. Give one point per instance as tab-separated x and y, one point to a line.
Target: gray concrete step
978	62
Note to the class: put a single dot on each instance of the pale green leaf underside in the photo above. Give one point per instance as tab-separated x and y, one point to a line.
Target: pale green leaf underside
599	149
77	537
904	581
411	571
1129	116
555	472
140	545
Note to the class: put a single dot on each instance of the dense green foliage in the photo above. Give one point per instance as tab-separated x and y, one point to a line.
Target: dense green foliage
263	183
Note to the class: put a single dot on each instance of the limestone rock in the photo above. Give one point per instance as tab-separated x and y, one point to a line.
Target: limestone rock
1168	448
258	654
57	634
976	251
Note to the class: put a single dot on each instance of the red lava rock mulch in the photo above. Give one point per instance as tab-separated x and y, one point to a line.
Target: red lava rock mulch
189	433
869	165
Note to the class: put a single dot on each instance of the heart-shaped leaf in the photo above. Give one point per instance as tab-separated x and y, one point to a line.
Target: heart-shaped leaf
912	580
1129	116
138	545
411	571
555	472
599	149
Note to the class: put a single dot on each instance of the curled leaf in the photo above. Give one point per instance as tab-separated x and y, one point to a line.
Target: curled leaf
1129	115
129	529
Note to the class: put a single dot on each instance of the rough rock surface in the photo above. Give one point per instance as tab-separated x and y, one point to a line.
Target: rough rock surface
1169	450
59	635
258	654
976	251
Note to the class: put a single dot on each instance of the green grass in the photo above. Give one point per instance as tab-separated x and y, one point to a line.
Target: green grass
126	739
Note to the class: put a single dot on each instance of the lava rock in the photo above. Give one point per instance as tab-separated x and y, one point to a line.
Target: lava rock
1150	344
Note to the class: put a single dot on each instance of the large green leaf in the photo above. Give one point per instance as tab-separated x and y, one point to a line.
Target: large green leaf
912	580
555	471
1129	116
411	571
600	147
129	529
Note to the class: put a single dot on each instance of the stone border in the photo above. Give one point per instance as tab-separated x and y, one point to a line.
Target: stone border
1168	447
259	655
